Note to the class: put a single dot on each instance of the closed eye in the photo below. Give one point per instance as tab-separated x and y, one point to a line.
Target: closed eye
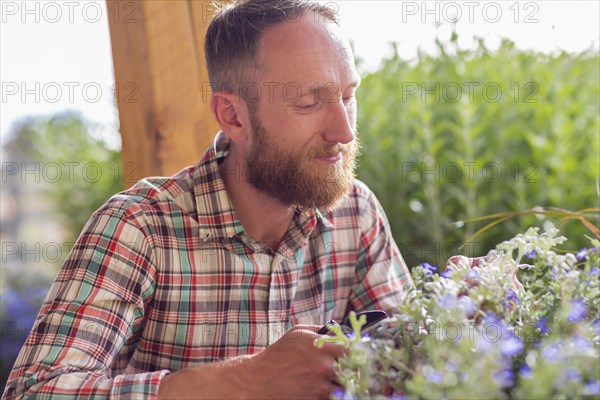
307	107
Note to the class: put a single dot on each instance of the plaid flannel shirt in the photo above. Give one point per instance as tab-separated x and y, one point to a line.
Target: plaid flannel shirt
164	277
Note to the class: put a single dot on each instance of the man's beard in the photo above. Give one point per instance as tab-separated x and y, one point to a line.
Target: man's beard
294	177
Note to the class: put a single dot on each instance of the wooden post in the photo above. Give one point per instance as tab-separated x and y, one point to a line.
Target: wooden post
162	84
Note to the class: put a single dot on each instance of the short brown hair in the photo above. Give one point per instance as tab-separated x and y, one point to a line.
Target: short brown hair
233	37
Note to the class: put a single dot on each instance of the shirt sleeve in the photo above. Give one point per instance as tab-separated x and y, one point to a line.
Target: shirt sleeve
90	321
381	273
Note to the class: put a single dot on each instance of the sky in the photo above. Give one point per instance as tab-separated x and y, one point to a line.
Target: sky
55	56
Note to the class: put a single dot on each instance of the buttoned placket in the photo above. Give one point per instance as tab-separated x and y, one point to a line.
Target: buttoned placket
285	269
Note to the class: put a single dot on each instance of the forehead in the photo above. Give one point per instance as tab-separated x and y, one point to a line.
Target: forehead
306	50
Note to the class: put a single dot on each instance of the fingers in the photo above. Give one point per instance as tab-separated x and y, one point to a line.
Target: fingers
472	262
334	350
306	336
301	333
516	282
312	328
324	390
309	333
476	261
455	261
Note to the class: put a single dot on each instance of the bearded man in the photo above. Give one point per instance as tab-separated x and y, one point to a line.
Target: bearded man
213	283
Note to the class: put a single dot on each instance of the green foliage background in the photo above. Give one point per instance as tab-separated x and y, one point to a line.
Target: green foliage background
445	138
79	172
435	155
70	174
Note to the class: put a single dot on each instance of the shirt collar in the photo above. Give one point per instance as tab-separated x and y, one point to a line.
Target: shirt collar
215	211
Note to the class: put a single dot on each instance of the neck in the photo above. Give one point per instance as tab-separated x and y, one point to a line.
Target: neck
264	219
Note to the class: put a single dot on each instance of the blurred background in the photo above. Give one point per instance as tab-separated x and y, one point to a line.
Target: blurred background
466	109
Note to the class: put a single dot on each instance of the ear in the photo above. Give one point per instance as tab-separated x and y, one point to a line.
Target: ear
232	115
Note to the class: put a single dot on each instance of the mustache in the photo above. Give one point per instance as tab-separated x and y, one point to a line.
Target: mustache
331	151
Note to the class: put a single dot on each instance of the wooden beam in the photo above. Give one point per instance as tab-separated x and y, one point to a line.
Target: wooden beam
163	91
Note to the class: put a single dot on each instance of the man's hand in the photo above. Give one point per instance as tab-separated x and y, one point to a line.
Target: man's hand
292	367
454	261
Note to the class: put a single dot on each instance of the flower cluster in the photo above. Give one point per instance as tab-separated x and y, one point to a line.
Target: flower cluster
524	323
18	309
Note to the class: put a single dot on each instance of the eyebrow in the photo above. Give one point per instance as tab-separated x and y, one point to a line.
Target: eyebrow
355	83
316	87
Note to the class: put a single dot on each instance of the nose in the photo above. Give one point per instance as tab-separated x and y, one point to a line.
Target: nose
340	126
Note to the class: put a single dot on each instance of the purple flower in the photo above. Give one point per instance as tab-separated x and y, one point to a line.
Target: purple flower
496	331
482	343
20	309
511	296
467	305
428	268
505	378
581	254
531	255
472	274
542	325
581	343
396	396
450	366
511	347
571	374
596	326
592	388
433	376
446	274
492	321
578	311
551	352
448	301
338	393
594	271
491	318
17	305
525	371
